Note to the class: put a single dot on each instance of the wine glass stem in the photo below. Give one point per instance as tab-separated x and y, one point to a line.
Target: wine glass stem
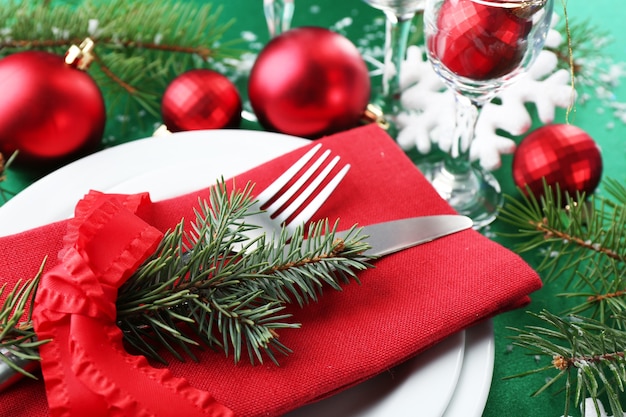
278	14
397	35
471	191
458	162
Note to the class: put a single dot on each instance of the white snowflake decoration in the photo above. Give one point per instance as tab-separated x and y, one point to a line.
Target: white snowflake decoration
429	106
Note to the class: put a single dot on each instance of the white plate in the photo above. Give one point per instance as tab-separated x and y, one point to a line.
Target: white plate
172	165
472	389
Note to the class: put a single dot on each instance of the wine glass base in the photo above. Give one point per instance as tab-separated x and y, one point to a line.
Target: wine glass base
475	194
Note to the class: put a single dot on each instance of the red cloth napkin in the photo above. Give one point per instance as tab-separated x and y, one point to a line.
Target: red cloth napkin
86	369
407	303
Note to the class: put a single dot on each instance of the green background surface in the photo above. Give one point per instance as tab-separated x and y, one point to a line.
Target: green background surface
364	26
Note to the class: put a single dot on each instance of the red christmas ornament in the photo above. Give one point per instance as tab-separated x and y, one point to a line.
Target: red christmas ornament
201	99
562	154
309	82
49	109
480	42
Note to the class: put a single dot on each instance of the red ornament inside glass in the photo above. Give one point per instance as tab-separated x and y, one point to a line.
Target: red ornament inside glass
201	99
309	82
562	154
480	42
50	111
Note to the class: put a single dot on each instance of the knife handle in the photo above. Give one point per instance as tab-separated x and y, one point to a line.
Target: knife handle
8	375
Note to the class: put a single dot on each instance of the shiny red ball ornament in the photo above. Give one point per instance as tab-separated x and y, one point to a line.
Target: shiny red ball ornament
50	111
309	82
562	154
201	99
480	42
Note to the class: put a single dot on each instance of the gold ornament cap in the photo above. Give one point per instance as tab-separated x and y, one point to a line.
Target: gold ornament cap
80	56
374	114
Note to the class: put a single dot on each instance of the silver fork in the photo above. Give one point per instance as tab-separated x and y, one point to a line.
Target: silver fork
287	202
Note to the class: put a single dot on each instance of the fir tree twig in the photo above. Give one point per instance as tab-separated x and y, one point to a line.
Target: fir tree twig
582	241
573	227
17	337
140	46
590	356
211	285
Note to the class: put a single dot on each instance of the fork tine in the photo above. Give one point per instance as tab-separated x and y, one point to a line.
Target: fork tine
297	202
319	199
281	181
276	205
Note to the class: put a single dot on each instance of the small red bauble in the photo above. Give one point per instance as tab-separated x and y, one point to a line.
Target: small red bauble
309	82
201	99
562	154
49	110
477	41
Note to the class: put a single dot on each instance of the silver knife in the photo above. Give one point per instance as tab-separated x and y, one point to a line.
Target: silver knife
395	235
384	238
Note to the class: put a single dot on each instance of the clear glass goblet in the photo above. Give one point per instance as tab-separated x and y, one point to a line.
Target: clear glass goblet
278	14
399	16
478	47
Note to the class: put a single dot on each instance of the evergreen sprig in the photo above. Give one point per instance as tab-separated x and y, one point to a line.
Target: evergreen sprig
584	51
139	46
583	245
212	285
18	340
588	355
574	227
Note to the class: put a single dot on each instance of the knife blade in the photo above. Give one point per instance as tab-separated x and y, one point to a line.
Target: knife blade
384	238
395	235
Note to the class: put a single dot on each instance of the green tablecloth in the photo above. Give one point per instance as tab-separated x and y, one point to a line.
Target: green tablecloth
352	18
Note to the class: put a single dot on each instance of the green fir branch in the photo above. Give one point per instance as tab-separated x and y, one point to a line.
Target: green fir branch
211	286
583	246
236	298
587	354
588	58
574	228
617	191
18	340
581	44
139	46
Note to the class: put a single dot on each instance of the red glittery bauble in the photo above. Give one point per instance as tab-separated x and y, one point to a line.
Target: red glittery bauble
479	42
49	110
309	82
201	99
562	154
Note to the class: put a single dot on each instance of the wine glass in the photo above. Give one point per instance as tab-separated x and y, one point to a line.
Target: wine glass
399	16
478	47
278	14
